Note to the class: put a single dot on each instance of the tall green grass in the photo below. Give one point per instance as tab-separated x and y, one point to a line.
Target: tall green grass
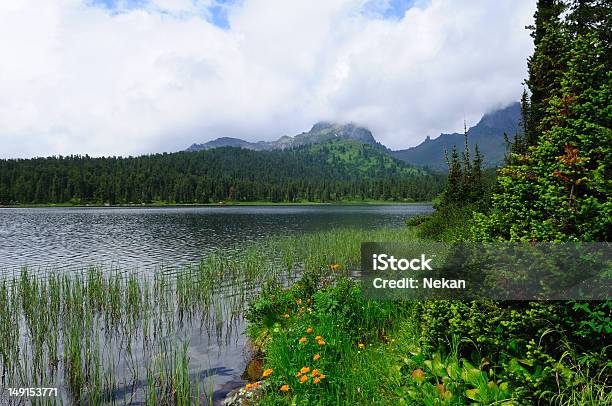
105	336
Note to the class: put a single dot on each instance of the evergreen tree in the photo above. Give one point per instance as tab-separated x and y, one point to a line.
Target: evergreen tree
546	10
556	188
454	189
525	113
477	185
546	65
519	145
466	179
526	136
326	171
593	16
561	190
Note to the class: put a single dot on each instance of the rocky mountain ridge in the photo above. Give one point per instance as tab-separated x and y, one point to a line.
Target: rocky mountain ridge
320	132
488	134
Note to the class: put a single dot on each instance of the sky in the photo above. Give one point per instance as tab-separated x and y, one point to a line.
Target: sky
131	77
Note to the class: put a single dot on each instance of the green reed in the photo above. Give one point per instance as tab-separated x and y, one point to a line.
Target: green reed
98	332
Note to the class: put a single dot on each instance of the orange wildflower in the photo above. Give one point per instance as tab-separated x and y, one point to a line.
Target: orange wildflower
316	380
267	372
316	357
284	388
418	373
248	386
303	379
303	340
298	302
298	374
305	370
315	372
321	342
321	376
286	315
318	338
309	330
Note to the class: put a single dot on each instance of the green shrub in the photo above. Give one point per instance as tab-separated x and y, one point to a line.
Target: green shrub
449	380
533	346
448	223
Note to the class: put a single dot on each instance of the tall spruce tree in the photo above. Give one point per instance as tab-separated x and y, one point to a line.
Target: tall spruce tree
477	185
454	189
525	112
556	189
593	16
467	164
464	183
560	191
519	145
546	65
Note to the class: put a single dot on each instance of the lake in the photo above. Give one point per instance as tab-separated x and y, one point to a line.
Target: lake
143	240
149	238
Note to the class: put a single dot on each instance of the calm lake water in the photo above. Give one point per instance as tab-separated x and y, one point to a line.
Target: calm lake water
149	238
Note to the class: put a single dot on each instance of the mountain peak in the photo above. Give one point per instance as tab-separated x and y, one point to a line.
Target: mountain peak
225	142
348	131
503	118
322	126
488	134
320	132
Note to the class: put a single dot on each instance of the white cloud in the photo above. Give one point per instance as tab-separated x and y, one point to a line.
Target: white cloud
80	79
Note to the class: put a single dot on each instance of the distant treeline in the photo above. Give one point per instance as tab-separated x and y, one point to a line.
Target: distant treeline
314	173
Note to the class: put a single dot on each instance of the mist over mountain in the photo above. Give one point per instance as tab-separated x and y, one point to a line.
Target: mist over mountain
488	134
320	132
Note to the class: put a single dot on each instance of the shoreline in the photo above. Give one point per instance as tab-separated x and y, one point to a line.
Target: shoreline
220	204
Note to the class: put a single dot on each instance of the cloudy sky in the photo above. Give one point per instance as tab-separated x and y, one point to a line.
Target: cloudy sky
128	77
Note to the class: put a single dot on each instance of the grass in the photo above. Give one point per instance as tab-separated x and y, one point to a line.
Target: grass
109	337
385	353
591	391
351	375
327	344
93	333
373	353
105	337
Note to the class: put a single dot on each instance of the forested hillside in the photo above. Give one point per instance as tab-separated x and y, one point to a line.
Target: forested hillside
332	171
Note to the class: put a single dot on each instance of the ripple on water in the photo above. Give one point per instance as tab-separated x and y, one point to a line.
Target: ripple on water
144	238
